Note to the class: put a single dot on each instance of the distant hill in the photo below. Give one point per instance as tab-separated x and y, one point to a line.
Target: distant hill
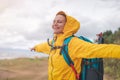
9	53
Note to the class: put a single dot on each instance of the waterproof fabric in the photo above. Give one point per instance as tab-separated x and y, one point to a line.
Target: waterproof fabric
77	49
93	71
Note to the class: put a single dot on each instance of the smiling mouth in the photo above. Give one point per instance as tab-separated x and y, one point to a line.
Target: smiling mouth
56	28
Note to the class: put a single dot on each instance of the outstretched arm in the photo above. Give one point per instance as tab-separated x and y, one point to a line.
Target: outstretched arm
81	49
43	48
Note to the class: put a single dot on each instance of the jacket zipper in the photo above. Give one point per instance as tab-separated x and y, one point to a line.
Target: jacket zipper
52	66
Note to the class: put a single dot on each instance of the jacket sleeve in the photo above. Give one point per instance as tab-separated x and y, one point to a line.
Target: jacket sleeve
43	48
81	49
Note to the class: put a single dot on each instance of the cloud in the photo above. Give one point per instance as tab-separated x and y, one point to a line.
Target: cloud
25	23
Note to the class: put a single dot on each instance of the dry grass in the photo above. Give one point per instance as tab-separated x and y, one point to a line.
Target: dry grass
24	69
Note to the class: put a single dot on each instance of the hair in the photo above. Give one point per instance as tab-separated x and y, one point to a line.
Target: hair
62	13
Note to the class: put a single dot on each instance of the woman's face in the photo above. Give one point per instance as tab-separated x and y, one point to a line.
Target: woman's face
58	24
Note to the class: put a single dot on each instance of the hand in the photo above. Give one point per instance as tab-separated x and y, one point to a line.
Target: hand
96	40
32	49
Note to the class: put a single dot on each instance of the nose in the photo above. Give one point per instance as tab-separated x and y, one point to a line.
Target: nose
55	23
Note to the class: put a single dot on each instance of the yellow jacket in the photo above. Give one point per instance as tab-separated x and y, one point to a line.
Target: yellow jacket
77	49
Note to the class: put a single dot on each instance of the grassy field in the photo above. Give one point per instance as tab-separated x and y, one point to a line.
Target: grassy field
26	69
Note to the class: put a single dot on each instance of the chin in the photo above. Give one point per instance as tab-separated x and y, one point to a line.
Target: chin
56	32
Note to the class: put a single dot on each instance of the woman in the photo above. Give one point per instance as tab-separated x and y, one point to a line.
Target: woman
63	27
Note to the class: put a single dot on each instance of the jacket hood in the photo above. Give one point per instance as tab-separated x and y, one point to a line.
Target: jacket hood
71	26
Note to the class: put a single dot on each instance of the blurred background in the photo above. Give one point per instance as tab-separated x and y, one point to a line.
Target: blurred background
24	23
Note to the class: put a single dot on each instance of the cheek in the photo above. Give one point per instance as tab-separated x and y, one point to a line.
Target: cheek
62	26
52	26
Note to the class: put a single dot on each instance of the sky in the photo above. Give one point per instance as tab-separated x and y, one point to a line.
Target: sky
25	23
